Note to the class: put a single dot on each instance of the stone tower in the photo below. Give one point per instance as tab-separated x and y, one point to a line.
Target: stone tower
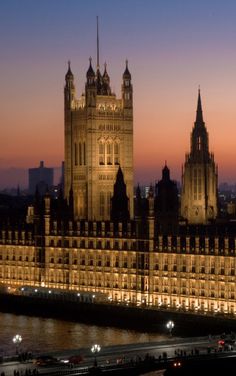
199	177
98	139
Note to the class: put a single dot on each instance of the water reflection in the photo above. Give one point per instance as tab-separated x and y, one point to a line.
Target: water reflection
40	334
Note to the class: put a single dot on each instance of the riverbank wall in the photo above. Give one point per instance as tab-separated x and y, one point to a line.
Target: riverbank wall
136	318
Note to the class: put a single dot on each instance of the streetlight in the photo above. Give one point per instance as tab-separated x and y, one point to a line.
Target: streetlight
95	350
17	339
170	325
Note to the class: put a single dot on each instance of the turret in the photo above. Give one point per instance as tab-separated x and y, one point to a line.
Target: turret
90	87
69	89
127	89
99	82
106	90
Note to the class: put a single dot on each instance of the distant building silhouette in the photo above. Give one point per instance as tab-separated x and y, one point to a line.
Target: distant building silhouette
41	178
166	203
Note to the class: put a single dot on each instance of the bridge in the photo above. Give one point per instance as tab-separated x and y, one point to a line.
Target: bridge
172	356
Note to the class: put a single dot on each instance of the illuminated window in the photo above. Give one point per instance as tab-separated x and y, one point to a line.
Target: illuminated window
101	153
109	153
116	153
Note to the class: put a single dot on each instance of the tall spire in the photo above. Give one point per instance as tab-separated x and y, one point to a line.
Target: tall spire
199	117
97	45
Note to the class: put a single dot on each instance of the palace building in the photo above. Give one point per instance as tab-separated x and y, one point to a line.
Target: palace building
97	240
192	271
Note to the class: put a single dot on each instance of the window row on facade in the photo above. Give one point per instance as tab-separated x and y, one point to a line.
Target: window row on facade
108	153
94	244
124	281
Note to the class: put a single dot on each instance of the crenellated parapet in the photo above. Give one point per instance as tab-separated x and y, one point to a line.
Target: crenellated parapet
203	245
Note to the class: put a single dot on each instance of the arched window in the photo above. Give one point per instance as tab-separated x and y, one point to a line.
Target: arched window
116	153
109	153
101	153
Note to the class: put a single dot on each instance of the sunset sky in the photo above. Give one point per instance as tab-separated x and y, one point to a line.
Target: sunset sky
173	46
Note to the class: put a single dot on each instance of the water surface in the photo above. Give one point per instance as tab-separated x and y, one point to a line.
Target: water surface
45	334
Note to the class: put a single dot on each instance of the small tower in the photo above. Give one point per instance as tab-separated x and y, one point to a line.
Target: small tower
199	179
119	201
106	90
69	89
90	87
127	89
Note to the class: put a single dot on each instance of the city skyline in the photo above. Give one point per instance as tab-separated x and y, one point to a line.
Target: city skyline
171	48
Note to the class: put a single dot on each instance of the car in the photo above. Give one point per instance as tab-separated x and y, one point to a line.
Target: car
45	360
75	359
177	364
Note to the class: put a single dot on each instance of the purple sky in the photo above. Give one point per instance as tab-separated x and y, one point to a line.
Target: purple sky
172	47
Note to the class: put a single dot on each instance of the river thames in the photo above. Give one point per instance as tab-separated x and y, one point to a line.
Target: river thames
46	334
